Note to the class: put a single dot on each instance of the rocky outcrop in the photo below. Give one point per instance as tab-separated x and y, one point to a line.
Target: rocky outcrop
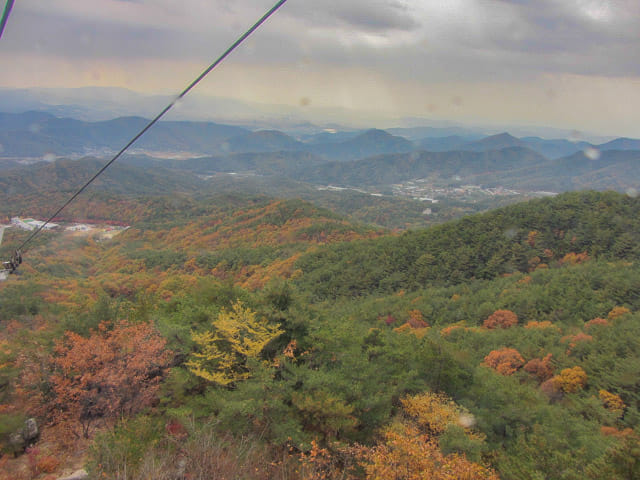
25	437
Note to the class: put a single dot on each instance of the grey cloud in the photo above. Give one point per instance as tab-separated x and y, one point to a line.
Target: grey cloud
503	39
548	26
368	15
75	38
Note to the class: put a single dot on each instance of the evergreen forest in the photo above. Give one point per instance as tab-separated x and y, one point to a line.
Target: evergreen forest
244	336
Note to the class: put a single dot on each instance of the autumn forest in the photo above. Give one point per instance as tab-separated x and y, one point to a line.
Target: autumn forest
240	336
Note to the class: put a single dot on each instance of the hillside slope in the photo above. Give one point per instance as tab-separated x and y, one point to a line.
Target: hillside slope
69	175
393	168
516	238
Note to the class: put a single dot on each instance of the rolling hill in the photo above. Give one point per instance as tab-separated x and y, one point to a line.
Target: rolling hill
371	142
69	175
393	168
481	246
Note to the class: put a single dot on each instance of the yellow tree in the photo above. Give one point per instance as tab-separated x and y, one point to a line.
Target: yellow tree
612	402
434	412
410	455
570	380
237	336
410	450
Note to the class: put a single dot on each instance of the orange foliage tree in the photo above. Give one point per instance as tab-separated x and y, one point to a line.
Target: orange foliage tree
504	361
501	319
446	331
573	258
415	325
617	312
113	372
540	325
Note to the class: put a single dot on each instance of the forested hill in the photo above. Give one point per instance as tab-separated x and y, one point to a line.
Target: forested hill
392	168
276	339
517	238
69	175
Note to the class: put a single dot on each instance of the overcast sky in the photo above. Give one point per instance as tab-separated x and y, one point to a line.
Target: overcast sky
572	64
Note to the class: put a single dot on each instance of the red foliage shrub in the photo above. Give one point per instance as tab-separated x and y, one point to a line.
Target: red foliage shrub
540	368
390	320
120	373
596	321
501	319
47	464
416	320
551	389
175	429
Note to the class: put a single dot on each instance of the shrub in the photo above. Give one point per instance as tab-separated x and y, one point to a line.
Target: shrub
504	361
501	319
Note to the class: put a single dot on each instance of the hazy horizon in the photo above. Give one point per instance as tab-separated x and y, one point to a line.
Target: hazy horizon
570	66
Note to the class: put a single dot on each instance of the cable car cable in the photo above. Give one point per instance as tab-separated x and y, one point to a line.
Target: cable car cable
5	15
241	39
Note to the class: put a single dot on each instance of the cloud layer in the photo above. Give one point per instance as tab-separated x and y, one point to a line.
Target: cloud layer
412	44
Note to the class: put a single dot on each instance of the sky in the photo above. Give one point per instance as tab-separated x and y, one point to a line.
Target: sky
572	64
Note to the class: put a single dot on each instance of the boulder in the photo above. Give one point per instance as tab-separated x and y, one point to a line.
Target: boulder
30	430
17	443
77	475
25	437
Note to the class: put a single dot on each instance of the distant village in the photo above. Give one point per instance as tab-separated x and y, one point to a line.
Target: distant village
103	231
425	190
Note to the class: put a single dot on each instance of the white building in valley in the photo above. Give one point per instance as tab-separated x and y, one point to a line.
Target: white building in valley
31	223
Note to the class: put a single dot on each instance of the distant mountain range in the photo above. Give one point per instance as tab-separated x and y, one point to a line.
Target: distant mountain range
352	158
36	134
610	170
513	167
105	103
